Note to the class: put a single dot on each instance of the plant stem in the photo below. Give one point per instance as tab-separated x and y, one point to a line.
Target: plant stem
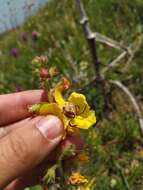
91	38
124	180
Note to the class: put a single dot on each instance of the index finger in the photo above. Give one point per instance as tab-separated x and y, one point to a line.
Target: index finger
14	107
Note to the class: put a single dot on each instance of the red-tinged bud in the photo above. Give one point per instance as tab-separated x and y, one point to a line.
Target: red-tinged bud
66	83
44	73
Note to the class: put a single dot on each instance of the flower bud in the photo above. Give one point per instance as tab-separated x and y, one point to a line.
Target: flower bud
43	59
44	73
24	36
40	60
14	52
53	71
66	83
35	36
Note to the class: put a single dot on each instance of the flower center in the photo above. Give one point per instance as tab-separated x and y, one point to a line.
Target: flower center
70	110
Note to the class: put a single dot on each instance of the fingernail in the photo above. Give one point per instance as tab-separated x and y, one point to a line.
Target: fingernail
50	127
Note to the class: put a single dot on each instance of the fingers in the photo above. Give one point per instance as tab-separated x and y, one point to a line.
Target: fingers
3	132
73	140
25	147
32	177
7	129
14	107
29	179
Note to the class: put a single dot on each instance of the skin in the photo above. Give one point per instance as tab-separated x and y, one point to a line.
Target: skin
24	152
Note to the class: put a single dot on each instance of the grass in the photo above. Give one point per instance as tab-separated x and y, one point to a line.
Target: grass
115	143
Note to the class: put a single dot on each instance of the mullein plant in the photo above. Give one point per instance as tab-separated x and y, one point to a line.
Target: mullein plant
76	115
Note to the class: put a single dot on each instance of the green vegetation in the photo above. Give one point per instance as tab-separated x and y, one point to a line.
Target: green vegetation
115	144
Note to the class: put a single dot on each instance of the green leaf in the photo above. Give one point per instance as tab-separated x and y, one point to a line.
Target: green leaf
37	187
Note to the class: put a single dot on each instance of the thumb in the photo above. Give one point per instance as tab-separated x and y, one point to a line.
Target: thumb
27	146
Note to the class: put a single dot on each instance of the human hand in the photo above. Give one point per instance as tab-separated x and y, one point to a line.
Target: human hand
26	142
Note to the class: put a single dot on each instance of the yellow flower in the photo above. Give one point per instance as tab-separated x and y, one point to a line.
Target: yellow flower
76	178
76	107
83	188
85	118
75	112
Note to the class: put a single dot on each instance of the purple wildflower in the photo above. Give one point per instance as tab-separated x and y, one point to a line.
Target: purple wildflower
35	36
14	52
24	36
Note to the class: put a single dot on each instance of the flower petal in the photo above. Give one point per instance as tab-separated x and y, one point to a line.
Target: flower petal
51	108
76	178
54	109
58	95
84	123
80	101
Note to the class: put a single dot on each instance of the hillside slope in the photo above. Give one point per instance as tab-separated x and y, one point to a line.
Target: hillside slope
60	37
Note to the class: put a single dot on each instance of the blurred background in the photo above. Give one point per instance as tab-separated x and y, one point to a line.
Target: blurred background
38	27
14	13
